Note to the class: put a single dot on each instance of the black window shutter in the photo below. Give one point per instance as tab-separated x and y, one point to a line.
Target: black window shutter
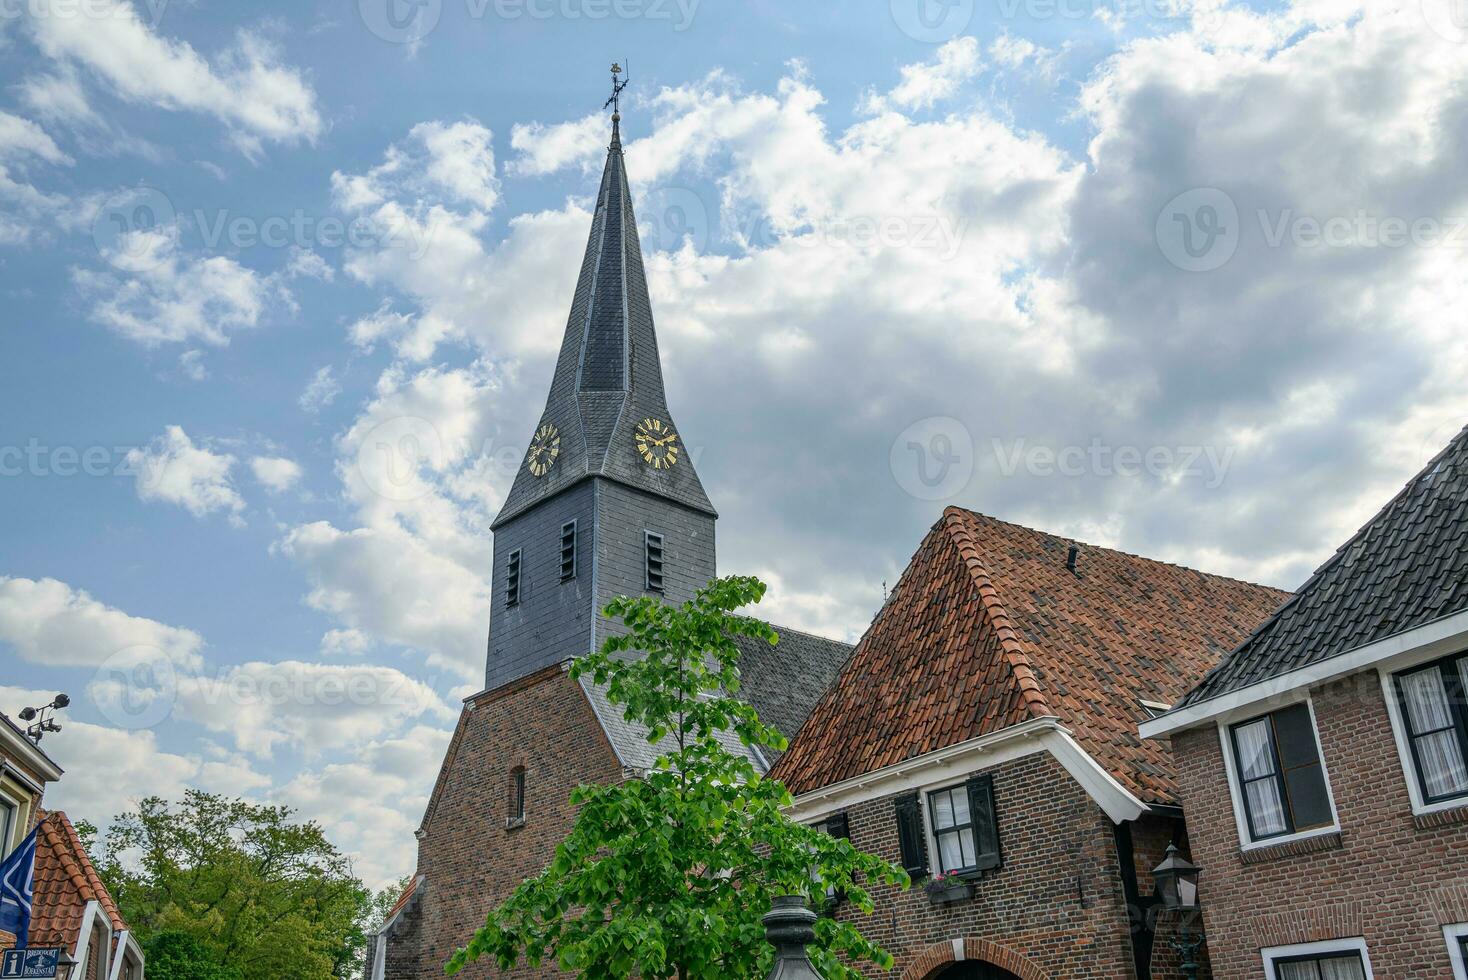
1300	761
910	837
837	826
986	822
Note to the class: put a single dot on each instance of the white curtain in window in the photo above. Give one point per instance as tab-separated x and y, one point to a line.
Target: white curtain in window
952	852
1342	968
1261	790
1443	771
1307	970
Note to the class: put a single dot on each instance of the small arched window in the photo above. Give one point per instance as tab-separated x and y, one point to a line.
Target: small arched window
516	812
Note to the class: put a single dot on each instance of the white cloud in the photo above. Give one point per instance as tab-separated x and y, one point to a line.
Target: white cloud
167	297
925	84
321	390
275	473
245	86
448	163
174	470
308	706
49	622
191	365
21	137
544	149
338	642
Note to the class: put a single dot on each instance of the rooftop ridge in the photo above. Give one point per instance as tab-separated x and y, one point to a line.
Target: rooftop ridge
1019	662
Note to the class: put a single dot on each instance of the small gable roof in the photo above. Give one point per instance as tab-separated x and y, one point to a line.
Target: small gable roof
988	628
1404	568
65	881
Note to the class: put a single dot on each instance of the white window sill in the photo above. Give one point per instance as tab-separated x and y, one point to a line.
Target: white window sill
1260	845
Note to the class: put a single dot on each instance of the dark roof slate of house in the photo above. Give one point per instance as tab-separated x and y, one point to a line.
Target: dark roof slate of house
1405	568
785	681
988	628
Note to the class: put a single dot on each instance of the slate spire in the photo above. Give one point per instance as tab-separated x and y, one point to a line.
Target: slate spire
608	378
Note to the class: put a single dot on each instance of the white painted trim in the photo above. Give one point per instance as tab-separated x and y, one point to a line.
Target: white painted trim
18	817
92	911
953	763
16	744
1235	788
1404	750
379	962
125	941
1426	642
1272	953
1451	936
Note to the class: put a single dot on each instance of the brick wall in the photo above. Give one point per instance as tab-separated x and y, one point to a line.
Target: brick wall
1384	877
471	860
1054	909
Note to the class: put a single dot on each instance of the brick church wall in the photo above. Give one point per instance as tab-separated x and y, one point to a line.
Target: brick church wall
1389	878
1056	907
471	860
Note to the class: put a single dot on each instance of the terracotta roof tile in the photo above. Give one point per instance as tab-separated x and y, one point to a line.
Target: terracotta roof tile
65	881
988	628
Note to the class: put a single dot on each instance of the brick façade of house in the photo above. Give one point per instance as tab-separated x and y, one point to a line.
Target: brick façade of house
1322	763
986	725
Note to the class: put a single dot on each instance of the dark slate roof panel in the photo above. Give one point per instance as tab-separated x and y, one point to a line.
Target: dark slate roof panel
1405	568
608	375
785	681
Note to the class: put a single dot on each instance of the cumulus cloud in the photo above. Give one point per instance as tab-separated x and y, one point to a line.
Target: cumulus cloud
925	84
50	622
165	296
309	706
275	473
321	390
955	269
246	85
545	149
172	469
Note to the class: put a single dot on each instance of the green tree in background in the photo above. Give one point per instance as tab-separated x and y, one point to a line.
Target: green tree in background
224	884
669	875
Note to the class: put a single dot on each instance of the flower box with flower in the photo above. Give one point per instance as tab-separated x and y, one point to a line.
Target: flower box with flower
947	887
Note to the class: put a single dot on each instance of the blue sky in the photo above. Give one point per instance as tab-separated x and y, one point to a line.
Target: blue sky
1185	280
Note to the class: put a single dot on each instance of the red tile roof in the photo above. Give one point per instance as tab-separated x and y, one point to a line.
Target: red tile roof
988	628
65	881
403	898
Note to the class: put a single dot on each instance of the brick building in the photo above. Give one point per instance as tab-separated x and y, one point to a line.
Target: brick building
71	907
986	727
1323	761
606	503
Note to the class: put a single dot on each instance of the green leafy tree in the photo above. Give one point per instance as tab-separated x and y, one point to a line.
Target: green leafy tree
260	894
174	955
669	875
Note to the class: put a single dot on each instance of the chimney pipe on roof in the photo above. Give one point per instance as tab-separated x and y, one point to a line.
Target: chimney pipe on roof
1071	556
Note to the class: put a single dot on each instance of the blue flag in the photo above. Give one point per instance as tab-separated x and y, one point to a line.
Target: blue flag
17	872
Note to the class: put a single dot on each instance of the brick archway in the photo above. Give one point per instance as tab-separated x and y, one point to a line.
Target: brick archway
937	956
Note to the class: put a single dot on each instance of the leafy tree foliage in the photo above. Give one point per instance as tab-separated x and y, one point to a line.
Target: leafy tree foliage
175	955
228	884
668	875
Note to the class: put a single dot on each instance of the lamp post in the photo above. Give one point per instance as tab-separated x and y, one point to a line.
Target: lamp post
64	965
788	928
1177	883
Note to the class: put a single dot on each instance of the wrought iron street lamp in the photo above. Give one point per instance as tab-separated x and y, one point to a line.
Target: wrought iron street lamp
789	928
1177	884
64	965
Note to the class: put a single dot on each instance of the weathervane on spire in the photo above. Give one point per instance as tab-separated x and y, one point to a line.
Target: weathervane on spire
616	100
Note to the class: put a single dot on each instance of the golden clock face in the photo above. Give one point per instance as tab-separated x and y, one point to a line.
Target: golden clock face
545	448
657	443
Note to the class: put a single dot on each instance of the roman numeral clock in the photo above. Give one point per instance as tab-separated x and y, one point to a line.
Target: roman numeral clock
656	443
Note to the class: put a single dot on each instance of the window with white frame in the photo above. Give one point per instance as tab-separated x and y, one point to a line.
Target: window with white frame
1430	699
1281	780
1343	959
1457	940
963	824
9	813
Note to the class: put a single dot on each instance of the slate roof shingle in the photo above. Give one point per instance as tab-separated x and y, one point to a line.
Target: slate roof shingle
1404	568
988	628
783	682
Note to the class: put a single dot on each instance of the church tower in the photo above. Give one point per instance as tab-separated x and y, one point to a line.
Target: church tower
607	501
